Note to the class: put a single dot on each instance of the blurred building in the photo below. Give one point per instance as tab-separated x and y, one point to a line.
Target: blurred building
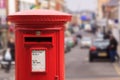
18	5
100	7
111	9
3	22
111	12
3	13
25	4
11	6
52	4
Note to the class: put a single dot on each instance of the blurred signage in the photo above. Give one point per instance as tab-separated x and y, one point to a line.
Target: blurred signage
84	18
2	3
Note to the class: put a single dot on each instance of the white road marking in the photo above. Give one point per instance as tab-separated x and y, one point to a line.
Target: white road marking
117	68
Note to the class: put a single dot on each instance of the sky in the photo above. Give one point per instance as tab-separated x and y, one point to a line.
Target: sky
79	5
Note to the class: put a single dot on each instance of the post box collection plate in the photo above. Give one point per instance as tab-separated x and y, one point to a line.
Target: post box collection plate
38	60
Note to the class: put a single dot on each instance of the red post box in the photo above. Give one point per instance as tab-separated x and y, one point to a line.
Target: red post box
39	44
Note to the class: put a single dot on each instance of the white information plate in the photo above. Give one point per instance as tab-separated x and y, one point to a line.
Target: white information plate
38	61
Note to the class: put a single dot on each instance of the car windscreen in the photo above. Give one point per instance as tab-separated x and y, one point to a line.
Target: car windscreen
86	39
101	43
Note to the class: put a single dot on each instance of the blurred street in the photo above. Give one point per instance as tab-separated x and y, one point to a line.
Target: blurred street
91	38
78	67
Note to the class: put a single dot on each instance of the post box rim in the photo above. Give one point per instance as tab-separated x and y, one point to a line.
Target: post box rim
39	17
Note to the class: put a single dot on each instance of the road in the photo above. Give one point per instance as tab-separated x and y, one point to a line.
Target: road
77	66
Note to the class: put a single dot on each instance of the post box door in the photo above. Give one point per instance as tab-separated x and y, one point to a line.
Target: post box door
46	66
47	56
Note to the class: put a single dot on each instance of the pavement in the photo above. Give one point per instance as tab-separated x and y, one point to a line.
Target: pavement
7	76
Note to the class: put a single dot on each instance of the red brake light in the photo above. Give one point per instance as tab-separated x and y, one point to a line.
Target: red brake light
93	48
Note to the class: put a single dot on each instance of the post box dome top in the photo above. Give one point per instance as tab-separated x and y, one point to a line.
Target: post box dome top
39	12
38	15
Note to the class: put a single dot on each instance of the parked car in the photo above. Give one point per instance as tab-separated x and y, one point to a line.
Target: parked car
67	48
88	27
99	50
67	45
99	35
67	33
75	40
85	42
69	41
74	28
79	34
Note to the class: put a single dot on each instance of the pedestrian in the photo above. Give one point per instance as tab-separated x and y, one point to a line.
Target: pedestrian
10	54
8	59
113	49
11	45
107	35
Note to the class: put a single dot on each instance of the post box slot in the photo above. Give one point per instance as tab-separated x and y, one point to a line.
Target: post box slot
38	39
